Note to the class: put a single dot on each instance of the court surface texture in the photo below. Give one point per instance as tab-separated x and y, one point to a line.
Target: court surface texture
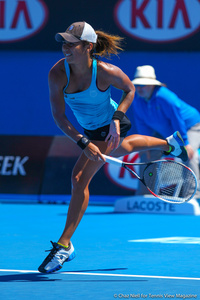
119	255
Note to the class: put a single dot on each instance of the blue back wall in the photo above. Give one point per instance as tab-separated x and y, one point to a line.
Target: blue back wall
24	105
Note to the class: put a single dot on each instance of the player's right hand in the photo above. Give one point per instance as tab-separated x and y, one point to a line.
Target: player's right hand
93	152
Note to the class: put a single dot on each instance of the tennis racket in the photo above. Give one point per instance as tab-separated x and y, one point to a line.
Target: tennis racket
167	180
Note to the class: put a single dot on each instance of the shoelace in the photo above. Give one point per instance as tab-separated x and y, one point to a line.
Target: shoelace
53	250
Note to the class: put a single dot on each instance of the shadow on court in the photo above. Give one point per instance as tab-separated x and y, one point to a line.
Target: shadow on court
26	278
33	277
100	270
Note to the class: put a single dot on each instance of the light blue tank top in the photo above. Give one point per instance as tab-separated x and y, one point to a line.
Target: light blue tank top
92	108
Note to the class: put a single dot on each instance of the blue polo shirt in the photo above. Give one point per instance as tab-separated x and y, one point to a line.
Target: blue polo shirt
164	113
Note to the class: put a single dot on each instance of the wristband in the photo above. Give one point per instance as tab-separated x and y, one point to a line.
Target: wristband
83	142
118	115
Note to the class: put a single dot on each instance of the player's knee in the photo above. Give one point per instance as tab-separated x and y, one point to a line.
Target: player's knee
129	146
75	181
77	184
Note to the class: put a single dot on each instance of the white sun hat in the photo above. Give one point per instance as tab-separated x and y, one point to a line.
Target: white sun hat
145	75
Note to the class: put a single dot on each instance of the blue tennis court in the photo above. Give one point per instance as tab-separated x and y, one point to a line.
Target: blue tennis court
119	255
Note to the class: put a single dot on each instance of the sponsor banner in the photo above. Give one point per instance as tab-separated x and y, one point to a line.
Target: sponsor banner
148	204
158	25
161	21
22	19
57	179
61	159
42	166
34	165
109	180
22	162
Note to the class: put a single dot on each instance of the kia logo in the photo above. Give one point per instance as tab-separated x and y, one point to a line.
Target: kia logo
21	19
158	21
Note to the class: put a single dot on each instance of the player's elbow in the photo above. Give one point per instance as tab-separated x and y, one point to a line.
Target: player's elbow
58	120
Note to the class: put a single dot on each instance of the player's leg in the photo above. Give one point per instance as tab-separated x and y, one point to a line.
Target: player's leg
82	174
173	145
137	142
63	250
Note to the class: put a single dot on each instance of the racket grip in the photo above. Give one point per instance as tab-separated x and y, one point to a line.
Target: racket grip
112	160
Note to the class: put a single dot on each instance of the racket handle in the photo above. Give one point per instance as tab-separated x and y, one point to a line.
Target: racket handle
112	160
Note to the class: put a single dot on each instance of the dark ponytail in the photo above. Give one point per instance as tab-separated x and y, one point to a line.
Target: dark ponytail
107	45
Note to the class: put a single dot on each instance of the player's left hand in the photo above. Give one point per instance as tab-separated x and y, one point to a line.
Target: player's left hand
113	137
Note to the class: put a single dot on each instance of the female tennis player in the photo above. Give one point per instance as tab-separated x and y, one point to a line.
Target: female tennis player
84	82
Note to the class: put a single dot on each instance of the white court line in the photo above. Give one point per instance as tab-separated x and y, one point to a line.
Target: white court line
103	274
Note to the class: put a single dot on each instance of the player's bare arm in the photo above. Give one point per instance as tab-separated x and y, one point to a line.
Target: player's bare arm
109	74
112	75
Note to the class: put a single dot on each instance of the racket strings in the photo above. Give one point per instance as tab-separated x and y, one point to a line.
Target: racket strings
170	181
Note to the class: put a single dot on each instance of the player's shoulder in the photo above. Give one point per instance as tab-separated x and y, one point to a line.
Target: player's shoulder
105	66
106	69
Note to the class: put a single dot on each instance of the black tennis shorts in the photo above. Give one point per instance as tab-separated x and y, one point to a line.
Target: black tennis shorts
101	133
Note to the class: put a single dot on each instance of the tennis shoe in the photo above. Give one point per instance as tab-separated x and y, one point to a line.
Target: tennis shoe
177	144
57	257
